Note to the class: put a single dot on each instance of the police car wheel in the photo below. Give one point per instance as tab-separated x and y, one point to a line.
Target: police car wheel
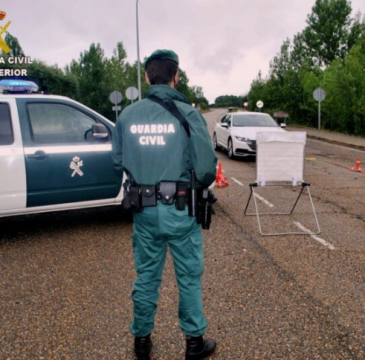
230	149
215	143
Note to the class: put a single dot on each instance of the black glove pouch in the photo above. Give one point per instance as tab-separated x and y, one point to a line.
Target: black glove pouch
148	194
167	192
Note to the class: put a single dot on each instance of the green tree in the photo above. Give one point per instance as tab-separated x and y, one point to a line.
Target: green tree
301	54
229	100
115	67
344	106
117	72
91	71
198	97
276	91
183	86
52	80
310	81
327	33
357	30
15	48
256	91
281	62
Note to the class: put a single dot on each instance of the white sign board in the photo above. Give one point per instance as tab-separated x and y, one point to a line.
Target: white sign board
319	94
259	104
280	156
131	93
115	97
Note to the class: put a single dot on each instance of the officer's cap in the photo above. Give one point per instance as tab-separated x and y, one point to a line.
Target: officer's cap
163	55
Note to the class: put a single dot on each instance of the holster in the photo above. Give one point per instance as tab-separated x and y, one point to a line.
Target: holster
131	201
206	199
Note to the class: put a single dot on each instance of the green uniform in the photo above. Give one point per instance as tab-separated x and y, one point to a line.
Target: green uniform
151	144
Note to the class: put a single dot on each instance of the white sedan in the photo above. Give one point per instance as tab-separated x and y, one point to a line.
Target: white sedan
236	132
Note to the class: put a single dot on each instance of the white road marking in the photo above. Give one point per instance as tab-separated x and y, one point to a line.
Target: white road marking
264	200
321	241
236	181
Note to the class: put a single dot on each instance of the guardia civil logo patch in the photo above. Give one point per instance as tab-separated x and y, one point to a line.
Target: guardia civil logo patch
75	165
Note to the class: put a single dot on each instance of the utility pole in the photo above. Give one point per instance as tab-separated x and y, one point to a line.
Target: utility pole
138	60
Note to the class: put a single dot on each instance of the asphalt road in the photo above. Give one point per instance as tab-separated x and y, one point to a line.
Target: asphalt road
66	277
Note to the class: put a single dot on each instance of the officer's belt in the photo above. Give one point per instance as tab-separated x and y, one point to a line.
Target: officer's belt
168	192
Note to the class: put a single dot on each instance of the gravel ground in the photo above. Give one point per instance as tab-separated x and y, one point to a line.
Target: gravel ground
66	282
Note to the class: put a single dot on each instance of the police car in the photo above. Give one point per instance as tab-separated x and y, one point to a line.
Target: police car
55	153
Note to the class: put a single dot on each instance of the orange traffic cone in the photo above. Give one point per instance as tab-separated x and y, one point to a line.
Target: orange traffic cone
357	167
220	178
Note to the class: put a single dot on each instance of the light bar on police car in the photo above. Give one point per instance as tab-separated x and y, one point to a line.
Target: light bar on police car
12	85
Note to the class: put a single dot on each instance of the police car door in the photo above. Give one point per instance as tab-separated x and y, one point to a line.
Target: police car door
64	164
12	168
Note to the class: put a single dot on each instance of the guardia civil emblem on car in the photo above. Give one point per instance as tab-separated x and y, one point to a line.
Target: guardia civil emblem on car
75	165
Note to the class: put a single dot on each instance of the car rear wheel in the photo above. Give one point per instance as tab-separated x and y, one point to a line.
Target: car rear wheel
215	143
230	149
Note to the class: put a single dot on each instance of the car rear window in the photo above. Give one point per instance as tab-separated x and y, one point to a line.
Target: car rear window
6	130
257	120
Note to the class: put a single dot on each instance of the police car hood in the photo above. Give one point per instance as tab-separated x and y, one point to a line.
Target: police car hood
250	132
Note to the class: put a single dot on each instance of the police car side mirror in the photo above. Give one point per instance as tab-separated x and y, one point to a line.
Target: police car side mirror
99	131
283	126
225	125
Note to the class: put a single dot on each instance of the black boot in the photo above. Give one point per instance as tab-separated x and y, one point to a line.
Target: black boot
198	349
142	347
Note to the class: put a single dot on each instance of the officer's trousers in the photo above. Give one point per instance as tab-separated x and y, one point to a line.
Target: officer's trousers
155	229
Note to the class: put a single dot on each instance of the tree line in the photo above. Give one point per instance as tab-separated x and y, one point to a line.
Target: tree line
329	53
230	100
93	76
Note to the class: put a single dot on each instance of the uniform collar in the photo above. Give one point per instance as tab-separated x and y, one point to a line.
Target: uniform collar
164	92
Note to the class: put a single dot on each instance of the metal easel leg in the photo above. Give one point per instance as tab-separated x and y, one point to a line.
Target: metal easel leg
252	185
257	210
253	195
300	194
314	212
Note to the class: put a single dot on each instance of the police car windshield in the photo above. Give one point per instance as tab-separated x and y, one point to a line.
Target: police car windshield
256	120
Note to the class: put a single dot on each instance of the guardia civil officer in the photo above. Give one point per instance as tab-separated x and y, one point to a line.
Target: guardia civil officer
158	153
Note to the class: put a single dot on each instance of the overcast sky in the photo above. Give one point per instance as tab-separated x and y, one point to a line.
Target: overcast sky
221	44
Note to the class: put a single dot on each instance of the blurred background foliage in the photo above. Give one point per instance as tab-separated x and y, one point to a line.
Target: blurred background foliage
329	53
92	77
